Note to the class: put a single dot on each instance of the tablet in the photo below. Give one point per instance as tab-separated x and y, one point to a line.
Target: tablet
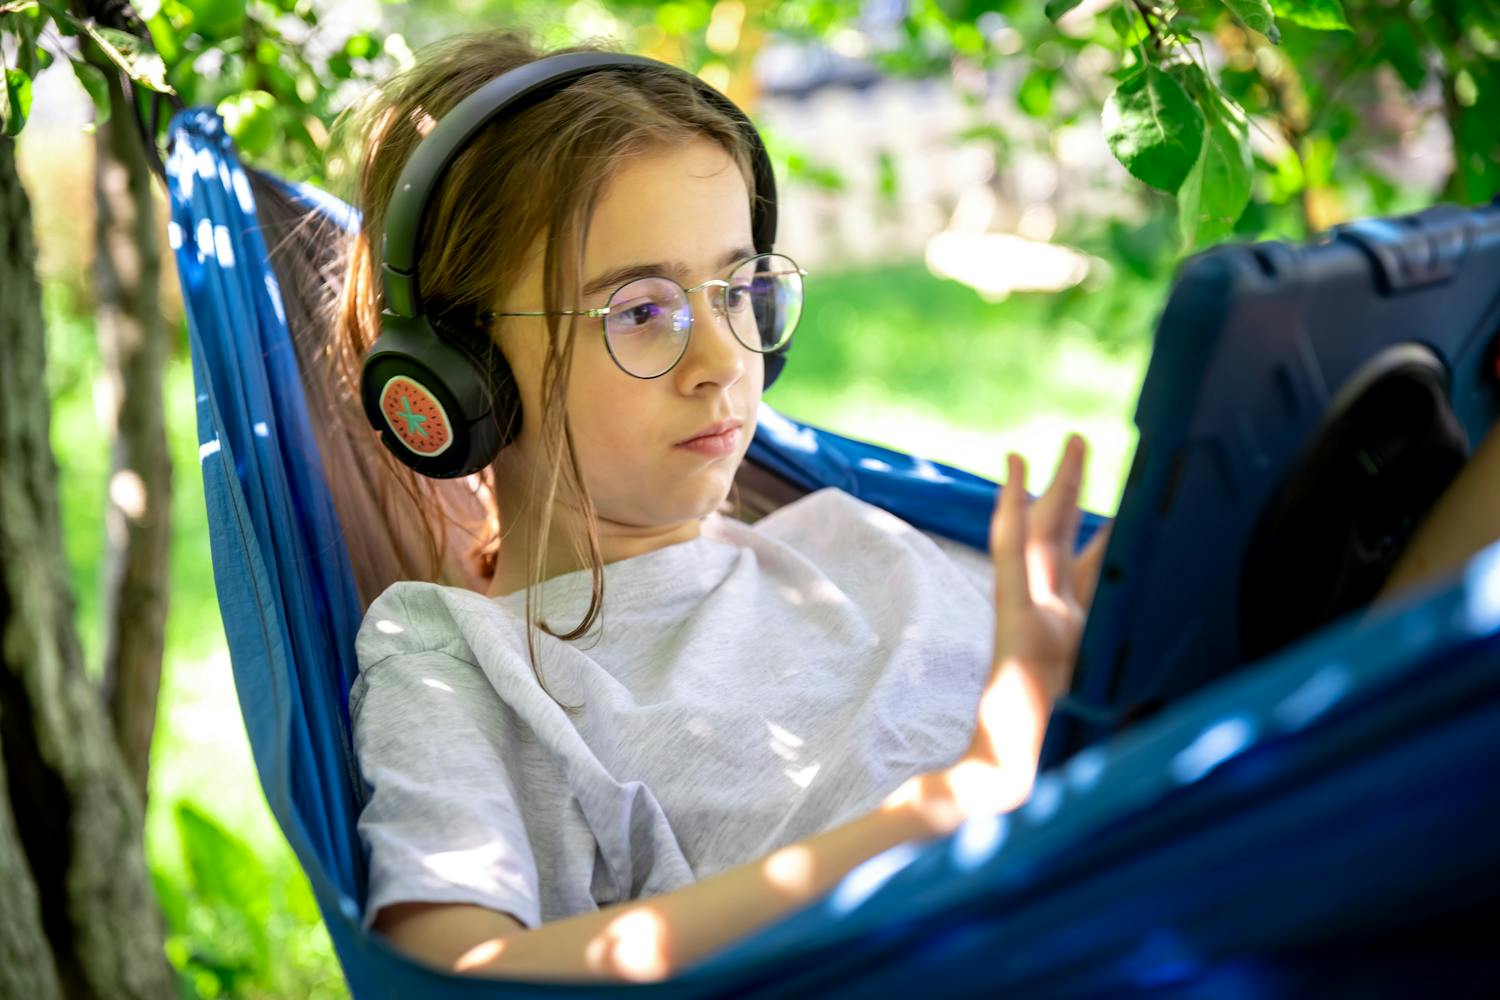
1304	406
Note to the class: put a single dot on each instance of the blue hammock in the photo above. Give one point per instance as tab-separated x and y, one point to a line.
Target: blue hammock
1324	819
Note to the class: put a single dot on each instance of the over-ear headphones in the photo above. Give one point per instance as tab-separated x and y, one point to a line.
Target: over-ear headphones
440	408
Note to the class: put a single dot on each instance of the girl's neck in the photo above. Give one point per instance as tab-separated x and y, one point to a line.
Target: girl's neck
616	542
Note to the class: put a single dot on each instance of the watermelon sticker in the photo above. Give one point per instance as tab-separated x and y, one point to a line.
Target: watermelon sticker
415	416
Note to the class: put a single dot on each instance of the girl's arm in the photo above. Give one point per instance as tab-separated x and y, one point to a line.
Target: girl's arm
654	938
1464	520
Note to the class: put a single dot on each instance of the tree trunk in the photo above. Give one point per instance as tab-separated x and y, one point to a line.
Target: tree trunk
133	342
75	816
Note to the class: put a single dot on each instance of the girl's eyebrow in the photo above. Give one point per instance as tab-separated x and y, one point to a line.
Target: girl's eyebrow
609	280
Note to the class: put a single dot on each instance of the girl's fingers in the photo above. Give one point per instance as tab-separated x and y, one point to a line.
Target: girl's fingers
1008	534
1054	523
1086	567
1075	454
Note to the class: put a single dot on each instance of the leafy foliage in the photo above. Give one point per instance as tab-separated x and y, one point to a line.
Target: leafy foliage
1201	88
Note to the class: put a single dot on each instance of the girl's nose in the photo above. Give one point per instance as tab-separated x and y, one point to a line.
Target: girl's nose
714	347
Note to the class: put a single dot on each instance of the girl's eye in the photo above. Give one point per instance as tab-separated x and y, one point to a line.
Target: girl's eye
737	296
638	313
641	315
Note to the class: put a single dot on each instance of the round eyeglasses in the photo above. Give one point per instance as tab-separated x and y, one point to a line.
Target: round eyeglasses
647	321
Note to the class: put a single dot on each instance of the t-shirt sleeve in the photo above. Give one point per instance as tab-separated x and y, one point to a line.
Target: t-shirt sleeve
443	822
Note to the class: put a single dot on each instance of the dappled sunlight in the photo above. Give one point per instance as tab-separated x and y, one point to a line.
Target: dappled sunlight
1084	769
434	683
787	745
1011	721
459	865
821	592
1314	696
979	839
791	870
924	469
783	743
1484	590
1216	744
422	120
864	880
791	595
802	777
1045	800
983	789
785	432
632	946
127	491
479	955
389	627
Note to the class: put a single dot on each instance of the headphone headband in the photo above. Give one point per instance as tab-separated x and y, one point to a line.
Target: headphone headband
507	93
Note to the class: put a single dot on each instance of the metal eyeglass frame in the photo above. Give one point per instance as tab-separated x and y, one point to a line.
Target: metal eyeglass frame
687	297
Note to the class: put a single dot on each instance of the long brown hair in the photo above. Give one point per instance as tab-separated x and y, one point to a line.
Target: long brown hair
537	172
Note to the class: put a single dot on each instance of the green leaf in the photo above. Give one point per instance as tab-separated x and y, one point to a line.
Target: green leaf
1403	50
164	38
1154	128
1057	8
1035	93
1320	15
27	26
1217	189
218	19
250	118
16	104
222	868
1257	16
128	52
60	16
93	81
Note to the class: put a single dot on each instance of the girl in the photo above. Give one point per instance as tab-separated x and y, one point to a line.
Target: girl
753	711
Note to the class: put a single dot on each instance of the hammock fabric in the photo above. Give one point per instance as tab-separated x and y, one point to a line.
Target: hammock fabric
1323	819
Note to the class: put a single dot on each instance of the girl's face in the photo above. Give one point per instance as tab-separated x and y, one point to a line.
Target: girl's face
683	212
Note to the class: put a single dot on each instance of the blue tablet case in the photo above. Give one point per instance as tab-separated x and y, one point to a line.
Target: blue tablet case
1303	407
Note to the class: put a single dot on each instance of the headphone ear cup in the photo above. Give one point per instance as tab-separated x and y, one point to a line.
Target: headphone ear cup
505	398
775	362
430	400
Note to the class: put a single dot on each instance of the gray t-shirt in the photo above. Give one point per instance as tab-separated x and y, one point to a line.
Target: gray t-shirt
748	688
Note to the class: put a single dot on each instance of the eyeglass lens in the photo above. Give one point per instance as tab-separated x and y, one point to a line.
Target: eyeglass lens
649	319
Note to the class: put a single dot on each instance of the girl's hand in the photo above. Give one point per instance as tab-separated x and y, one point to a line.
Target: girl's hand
1042	593
1042	596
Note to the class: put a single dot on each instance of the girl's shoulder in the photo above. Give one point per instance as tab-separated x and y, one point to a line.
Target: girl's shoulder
415	616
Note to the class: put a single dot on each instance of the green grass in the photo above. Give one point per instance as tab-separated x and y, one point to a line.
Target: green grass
902	359
893	356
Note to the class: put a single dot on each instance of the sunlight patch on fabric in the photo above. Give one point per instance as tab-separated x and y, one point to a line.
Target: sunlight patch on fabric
865	880
1214	746
979	839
